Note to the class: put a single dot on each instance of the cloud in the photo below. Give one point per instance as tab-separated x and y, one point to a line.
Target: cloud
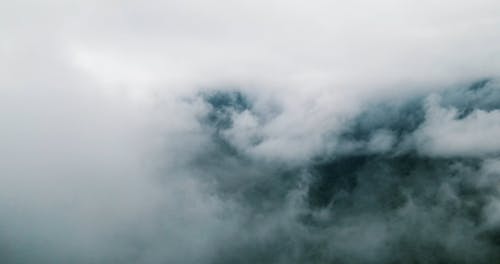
445	134
249	131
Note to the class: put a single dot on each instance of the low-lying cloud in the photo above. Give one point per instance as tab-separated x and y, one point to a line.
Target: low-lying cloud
249	132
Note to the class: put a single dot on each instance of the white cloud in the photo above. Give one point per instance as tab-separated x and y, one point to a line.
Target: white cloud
444	134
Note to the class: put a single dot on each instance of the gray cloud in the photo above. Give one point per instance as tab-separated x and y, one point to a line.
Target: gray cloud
249	132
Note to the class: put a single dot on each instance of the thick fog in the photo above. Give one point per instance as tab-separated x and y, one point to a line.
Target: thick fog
249	131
